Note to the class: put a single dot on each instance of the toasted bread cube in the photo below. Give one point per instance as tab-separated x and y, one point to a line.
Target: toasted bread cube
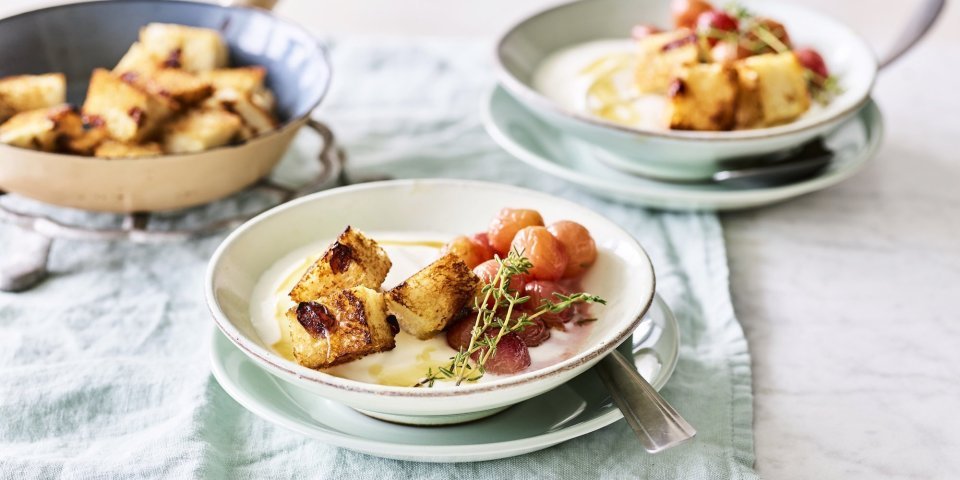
190	48
200	130
115	149
141	68
749	104
138	59
243	79
46	129
703	97
244	82
773	90
432	298
129	113
87	141
31	92
336	329
256	120
661	58
353	260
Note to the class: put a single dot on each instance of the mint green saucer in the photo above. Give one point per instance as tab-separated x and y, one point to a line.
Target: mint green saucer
548	148
569	411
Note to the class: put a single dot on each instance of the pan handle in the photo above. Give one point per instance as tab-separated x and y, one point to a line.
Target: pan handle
920	23
264	4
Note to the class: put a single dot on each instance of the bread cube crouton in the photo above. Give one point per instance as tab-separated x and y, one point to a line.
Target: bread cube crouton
431	299
353	260
245	82
138	60
115	149
344	326
190	48
773	90
256	120
200	130
45	129
128	113
662	56
31	92
141	68
88	141
703	97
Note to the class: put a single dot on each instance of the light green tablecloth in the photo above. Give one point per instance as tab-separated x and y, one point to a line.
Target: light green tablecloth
104	370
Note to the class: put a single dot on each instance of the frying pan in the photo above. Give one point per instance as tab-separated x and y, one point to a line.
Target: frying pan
76	38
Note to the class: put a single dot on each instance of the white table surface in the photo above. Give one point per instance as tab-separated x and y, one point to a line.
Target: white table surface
850	297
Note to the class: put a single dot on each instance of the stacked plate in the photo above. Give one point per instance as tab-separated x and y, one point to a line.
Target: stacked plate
538	113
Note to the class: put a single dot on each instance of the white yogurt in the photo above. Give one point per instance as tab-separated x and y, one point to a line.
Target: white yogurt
597	78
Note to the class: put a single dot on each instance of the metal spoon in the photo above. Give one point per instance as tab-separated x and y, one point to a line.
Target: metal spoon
656	423
807	161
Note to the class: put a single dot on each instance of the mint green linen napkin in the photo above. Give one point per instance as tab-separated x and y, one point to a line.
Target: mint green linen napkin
104	368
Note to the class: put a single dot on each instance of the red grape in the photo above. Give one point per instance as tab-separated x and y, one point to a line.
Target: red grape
540	291
685	12
534	334
506	225
716	21
488	270
578	244
811	60
511	356
543	250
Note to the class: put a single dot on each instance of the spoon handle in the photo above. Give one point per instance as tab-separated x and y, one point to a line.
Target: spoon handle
655	422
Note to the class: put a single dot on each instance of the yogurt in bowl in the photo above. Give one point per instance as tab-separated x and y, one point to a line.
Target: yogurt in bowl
411	217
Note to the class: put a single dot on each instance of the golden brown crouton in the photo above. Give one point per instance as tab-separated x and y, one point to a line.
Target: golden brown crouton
352	260
662	56
46	129
243	82
256	120
339	328
141	68
129	113
190	48
703	97
200	130
87	141
773	90
115	149
432	298
31	92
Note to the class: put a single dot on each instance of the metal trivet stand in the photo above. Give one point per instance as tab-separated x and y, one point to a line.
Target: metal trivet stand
29	266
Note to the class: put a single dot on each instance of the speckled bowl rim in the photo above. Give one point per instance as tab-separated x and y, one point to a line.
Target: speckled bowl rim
527	95
276	364
294	122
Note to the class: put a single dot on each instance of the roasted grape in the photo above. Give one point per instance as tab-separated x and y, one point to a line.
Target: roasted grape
811	60
579	246
715	24
543	250
686	12
534	334
511	356
487	271
458	334
506	225
469	251
540	291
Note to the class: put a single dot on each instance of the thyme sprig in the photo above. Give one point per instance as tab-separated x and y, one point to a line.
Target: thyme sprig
497	296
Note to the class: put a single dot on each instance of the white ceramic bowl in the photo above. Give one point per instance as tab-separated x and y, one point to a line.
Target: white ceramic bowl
623	275
675	154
